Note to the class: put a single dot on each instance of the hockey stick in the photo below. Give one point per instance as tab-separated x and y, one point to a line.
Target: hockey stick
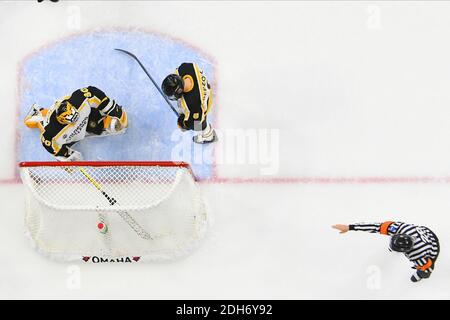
123	214
150	77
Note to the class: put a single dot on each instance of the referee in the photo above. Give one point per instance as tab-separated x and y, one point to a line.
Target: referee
419	244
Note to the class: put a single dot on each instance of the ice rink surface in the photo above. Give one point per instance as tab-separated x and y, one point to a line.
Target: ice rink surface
344	107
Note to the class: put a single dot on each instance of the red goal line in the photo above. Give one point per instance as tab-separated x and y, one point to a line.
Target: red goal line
217	179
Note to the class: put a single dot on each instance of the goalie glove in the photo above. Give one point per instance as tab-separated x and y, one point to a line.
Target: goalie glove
114	125
101	124
70	155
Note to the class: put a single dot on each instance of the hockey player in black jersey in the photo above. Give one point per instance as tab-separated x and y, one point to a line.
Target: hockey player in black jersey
86	112
419	244
191	89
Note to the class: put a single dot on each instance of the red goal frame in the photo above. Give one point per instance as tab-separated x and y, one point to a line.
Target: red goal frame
181	164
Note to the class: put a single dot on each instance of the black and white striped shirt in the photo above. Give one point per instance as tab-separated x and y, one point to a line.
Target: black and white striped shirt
426	245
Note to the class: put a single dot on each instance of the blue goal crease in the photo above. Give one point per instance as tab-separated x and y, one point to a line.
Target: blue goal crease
90	59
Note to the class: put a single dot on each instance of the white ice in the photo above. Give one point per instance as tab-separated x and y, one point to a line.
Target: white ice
359	93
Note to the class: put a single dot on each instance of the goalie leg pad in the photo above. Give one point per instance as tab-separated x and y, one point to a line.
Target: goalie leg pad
35	117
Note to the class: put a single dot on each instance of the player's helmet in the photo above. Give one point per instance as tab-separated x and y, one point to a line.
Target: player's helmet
401	242
173	86
66	113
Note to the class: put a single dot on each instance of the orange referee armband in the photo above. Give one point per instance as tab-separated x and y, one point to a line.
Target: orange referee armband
384	227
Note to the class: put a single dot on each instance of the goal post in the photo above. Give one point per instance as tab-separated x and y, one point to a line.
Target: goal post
113	210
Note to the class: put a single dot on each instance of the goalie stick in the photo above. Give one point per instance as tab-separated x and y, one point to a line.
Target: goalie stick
150	77
123	214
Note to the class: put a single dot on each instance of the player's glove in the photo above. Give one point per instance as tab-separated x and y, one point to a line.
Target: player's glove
181	123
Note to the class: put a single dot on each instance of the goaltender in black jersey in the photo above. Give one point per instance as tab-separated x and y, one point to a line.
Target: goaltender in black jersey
86	112
191	89
418	243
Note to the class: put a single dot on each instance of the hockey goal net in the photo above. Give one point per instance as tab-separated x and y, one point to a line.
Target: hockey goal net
111	211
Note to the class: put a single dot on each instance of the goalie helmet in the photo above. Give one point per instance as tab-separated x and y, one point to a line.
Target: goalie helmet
173	86
401	243
66	113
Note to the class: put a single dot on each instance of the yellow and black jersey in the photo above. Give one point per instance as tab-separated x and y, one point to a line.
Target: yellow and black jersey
92	105
197	100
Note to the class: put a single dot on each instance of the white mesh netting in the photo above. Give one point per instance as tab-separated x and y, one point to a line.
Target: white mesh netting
150	212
